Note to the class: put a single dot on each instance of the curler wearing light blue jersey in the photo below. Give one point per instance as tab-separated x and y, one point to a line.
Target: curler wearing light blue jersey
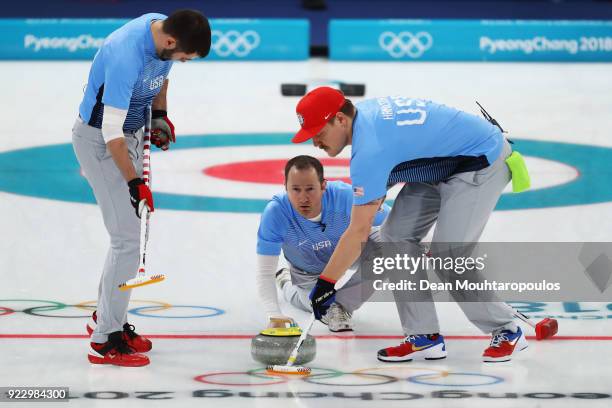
453	164
305	222
128	75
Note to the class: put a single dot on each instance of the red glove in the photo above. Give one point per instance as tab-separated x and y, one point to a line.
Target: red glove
162	130
140	191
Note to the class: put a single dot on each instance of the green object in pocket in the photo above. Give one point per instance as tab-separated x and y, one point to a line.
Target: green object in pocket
520	174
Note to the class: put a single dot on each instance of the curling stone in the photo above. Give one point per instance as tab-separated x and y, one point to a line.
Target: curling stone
273	346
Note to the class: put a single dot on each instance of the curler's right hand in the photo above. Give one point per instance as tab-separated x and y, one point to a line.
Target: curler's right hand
140	191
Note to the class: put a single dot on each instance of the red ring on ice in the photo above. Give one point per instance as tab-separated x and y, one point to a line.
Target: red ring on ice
204	378
266	171
5	311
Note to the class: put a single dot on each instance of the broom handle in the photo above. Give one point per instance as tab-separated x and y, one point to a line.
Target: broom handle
146	148
521	316
296	349
144	232
146	170
524	318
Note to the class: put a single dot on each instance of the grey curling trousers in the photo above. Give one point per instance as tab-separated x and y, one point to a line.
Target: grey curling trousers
123	226
461	206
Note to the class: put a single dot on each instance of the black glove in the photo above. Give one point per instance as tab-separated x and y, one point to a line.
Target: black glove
140	191
322	296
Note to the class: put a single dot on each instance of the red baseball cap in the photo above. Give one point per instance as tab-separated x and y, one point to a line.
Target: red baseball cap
315	109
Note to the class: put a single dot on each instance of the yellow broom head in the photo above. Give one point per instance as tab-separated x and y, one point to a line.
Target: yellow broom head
141	281
287	370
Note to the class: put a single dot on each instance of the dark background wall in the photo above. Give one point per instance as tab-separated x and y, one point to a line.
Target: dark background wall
319	17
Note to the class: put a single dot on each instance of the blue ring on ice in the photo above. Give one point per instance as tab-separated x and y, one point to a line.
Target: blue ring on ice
493	379
52	172
215	312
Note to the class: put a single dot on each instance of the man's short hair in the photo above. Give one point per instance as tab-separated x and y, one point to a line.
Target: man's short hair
191	30
348	109
304	162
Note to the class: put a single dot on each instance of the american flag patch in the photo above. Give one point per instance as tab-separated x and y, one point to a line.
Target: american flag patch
358	191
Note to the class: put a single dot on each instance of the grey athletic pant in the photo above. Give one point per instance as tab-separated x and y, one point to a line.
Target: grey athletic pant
461	205
123	226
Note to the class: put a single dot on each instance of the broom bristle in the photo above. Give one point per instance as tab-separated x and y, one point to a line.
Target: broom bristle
288	370
141	281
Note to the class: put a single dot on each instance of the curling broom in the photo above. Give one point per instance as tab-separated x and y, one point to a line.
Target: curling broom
289	368
141	278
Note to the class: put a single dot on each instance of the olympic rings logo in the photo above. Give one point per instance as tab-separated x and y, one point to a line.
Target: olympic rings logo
234	42
365	377
149	308
405	43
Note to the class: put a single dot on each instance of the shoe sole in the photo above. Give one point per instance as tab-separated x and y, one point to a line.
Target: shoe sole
406	361
340	330
100	360
437	352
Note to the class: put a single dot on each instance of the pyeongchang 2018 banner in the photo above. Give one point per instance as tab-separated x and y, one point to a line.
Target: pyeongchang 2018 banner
470	40
80	39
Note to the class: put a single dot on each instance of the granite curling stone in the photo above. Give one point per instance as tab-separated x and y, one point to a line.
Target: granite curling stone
273	346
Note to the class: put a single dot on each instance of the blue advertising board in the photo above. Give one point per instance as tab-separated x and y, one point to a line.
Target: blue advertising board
79	39
470	40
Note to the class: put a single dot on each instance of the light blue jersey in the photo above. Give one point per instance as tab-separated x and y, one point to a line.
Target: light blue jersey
125	74
397	139
308	245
